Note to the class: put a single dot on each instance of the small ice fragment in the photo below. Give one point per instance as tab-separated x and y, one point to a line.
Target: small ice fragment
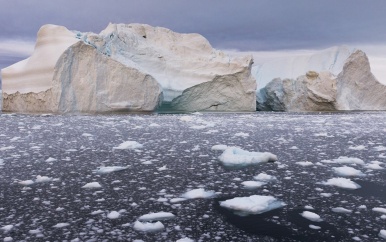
236	157
148	227
26	182
61	225
342	183
97	212
186	239
109	169
129	145
156	216
40	179
7	228
264	177
341	210
163	168
345	160
50	159
359	147
8	239
347	171
177	200
92	185
254	204
87	135
113	215
198	193
314	226
382	234
241	134
304	163
379	210
311	216
252	184
362	207
219	147
308	207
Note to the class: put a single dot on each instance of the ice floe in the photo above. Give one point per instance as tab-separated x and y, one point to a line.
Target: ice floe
156	216
255	204
237	157
129	145
198	193
92	185
109	169
311	216
347	171
342	183
148	227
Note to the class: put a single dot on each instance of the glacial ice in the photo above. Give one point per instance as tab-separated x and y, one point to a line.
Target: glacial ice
198	193
129	145
156	216
148	227
342	183
347	171
109	169
311	216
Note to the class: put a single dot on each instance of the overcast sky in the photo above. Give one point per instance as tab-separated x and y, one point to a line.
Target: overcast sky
246	25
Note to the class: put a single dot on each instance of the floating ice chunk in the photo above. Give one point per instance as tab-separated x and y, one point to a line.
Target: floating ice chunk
109	169
241	134
362	207
236	157
7	148
26	182
177	200
92	185
41	179
304	163
97	212
379	210
252	184
50	159
382	234
154	125
254	204
219	147
129	145
163	168
311	216
156	216
61	225
341	210
309	207
347	171
187	118
186	239
314	227
345	160
359	147
198	193
87	135
8	239
264	177
380	148
342	183
113	215
325	194
374	166
7	228
148	227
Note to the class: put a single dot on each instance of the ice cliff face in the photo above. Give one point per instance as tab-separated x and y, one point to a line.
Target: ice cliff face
354	88
131	67
331	60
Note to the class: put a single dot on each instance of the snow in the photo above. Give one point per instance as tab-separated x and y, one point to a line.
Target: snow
92	185
347	171
148	227
379	210
236	157
382	234
109	169
255	204
113	215
252	184
156	216
129	145
311	216
342	183
198	193
341	210
61	225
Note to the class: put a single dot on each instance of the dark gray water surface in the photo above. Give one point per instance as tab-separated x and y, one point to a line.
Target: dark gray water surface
182	143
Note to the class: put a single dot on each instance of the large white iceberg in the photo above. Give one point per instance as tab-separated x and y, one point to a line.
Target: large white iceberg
254	204
127	67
